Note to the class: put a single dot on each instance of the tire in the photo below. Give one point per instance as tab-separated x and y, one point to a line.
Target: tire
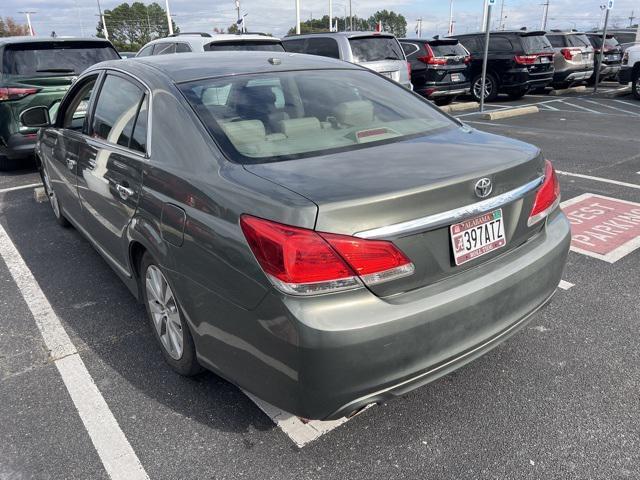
491	88
635	84
166	319
518	93
53	199
441	102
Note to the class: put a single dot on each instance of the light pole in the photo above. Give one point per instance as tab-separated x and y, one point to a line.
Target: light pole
487	30
545	15
485	15
602	46
169	23
104	23
330	15
297	17
28	14
450	18
350	17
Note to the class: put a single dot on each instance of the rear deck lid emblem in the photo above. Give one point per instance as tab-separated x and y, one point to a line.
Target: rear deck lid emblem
483	188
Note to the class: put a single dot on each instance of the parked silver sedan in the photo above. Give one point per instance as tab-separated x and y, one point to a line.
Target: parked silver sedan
305	228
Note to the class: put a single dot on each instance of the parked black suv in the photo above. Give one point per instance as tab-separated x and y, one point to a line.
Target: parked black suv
518	61
439	68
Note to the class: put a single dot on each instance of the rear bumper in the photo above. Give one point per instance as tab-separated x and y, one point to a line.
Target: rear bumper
522	78
572	76
355	348
18	146
439	91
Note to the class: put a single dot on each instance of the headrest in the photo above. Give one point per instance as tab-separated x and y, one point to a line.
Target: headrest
300	126
356	112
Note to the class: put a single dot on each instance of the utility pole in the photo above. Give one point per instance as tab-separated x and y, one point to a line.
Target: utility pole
545	15
330	15
238	11
631	19
485	15
604	40
450	32
487	36
297	17
28	14
350	17
104	23
419	25
169	22
501	24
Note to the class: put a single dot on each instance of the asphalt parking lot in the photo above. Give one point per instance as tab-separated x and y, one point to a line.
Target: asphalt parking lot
559	400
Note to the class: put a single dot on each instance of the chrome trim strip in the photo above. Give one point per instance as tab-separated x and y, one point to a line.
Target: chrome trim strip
449	217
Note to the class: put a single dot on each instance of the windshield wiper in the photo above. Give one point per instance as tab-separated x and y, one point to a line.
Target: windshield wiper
57	70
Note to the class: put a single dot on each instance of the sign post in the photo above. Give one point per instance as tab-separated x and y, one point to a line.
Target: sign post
487	29
604	39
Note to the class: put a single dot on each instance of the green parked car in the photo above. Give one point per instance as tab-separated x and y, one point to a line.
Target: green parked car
37	72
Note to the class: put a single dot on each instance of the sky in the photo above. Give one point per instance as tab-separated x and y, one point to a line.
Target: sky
79	17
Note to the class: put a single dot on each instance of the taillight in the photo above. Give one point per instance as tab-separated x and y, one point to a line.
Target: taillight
547	197
15	93
570	53
526	59
467	59
430	58
300	261
409	69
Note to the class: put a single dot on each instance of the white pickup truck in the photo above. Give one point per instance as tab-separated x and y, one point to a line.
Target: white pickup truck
630	72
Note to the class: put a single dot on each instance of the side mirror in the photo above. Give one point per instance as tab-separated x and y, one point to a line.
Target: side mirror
35	117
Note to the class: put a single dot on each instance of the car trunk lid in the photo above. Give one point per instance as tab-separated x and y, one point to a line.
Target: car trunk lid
368	189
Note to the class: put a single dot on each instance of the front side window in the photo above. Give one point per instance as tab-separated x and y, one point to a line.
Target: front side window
146	51
76	112
373	49
116	116
54	58
292	115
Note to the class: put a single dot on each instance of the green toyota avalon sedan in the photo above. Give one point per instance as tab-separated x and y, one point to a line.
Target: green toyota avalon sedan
37	71
306	228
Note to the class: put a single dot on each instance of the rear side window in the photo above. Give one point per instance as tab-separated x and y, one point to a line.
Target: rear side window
536	44
610	43
165	49
409	48
54	58
245	45
580	41
324	47
472	44
295	46
373	49
500	44
146	51
182	48
557	41
455	50
116	117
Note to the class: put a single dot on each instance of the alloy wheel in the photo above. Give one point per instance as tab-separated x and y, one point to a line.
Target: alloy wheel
488	88
164	312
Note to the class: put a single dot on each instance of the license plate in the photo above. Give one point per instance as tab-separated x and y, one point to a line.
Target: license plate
456	77
544	59
613	58
479	236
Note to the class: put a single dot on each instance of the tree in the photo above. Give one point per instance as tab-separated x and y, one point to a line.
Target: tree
233	28
392	22
9	28
132	26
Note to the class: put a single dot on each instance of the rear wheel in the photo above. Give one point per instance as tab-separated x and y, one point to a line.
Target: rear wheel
53	199
166	319
635	84
442	101
490	88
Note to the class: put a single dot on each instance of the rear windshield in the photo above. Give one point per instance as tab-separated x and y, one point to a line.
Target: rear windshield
536	44
54	58
245	45
580	41
456	50
372	49
290	115
609	43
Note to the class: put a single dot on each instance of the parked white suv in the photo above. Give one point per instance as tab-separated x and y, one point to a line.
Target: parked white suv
205	42
630	72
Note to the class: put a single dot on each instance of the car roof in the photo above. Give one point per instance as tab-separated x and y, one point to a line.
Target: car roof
341	35
199	39
26	39
448	41
520	33
186	67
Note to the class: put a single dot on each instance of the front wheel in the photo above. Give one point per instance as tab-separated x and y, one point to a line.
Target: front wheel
490	88
635	84
53	199
166	319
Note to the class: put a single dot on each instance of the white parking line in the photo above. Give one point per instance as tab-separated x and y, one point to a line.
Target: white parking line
21	187
599	179
565	285
624	102
116	454
582	108
635	114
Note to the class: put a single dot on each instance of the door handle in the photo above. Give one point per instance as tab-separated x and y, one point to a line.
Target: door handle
124	192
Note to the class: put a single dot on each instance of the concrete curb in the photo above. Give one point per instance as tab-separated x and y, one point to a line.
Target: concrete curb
459	107
564	91
510	112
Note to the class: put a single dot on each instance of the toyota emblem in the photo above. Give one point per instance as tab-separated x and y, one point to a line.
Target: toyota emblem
483	188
